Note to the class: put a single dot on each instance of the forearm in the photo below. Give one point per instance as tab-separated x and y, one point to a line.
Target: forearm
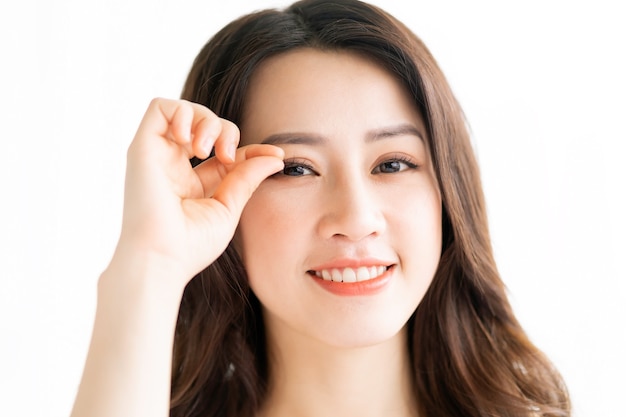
128	367
176	221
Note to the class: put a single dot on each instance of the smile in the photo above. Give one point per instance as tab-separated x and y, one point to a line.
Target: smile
351	274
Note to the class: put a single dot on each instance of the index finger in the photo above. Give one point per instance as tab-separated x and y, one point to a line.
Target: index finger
190	125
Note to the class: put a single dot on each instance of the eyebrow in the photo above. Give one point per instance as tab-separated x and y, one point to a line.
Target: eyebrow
388	132
298	138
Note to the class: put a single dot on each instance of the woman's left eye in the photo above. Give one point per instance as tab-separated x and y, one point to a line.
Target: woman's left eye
393	165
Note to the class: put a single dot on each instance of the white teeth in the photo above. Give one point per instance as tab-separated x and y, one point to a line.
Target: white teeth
351	275
326	275
373	271
336	275
363	274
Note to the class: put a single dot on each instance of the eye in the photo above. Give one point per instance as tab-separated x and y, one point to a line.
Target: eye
394	165
296	169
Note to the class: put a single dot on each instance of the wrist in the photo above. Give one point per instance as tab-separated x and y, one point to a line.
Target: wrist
144	278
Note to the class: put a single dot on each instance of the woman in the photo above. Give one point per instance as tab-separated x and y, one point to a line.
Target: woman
341	254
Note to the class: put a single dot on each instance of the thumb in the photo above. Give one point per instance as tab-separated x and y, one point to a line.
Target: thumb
238	185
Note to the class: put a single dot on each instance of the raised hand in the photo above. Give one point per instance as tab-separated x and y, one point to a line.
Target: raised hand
174	215
177	220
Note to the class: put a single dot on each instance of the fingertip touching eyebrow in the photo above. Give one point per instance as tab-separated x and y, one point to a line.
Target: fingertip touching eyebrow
302	138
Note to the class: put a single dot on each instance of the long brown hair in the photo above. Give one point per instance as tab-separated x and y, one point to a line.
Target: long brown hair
469	354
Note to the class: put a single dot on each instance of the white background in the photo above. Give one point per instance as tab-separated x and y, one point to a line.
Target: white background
542	83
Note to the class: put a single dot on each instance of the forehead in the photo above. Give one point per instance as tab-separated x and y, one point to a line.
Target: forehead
325	92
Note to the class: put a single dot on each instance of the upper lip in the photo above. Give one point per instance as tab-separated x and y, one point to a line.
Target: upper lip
352	263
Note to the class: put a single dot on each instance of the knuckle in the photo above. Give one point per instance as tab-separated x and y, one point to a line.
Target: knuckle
156	101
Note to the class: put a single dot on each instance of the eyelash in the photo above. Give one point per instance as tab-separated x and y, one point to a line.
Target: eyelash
294	163
290	164
397	158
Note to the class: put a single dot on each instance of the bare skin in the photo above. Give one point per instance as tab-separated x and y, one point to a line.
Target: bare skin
127	372
358	189
363	171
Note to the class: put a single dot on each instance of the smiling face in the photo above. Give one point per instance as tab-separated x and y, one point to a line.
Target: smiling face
341	245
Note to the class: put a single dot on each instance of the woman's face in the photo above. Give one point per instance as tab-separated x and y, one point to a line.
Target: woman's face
357	200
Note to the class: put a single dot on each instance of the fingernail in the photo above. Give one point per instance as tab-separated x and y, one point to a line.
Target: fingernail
187	133
207	145
231	151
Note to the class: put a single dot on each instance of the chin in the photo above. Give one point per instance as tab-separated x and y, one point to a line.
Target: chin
363	335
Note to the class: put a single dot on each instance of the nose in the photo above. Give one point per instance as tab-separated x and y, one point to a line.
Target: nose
352	210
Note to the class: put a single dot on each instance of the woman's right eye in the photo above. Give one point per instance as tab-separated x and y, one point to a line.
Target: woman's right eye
295	168
292	169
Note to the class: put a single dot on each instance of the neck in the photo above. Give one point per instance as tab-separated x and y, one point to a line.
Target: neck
309	378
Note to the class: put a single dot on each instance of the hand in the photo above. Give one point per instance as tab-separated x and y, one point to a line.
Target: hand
176	215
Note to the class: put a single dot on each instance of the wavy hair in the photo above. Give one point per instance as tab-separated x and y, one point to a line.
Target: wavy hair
469	354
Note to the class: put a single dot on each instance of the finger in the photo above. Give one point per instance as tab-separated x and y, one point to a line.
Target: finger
226	144
180	121
252	151
237	187
215	132
212	171
180	125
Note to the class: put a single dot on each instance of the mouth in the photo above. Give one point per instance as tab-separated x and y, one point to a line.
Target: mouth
349	275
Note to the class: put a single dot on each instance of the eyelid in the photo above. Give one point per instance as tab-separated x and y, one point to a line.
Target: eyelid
406	159
409	161
295	162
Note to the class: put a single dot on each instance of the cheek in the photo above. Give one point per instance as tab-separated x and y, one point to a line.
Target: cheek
419	231
427	220
268	229
274	238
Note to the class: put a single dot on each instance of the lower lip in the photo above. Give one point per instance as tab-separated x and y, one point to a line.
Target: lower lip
361	288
